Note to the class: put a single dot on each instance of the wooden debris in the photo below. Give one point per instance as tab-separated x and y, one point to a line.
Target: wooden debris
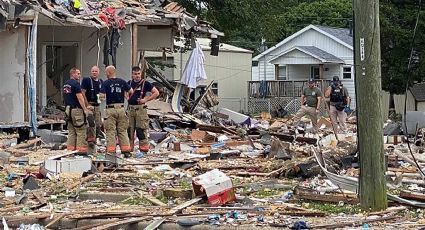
151	199
56	220
307	194
412	195
155	224
118	223
354	223
184	205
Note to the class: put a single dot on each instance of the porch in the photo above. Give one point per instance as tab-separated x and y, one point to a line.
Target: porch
281	88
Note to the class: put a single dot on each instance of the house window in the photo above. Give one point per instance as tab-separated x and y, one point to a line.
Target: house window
346	72
214	88
282	73
315	72
254	63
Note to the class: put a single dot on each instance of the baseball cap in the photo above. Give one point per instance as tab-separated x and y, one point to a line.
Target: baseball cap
335	78
311	80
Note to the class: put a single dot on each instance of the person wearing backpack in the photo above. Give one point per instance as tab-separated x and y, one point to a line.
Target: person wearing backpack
339	100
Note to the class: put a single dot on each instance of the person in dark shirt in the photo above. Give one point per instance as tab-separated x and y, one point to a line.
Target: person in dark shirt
143	91
76	111
90	87
114	91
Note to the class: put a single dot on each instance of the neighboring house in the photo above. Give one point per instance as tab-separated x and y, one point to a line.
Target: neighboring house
230	71
415	99
41	43
318	52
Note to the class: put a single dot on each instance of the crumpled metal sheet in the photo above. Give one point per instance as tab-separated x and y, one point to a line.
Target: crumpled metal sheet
351	183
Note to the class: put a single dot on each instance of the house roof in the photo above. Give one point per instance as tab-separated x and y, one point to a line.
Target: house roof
205	44
320	54
114	13
418	91
340	35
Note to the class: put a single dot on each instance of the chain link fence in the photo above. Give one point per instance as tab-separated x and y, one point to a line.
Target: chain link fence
291	105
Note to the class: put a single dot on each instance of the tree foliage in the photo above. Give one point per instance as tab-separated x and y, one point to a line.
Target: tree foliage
246	22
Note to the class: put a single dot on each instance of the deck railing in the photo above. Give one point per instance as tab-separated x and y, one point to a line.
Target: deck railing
276	88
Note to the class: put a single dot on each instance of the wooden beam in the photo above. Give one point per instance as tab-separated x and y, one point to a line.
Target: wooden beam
134	41
276	71
321	71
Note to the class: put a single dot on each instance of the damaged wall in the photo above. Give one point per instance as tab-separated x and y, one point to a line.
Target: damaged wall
87	51
12	65
231	70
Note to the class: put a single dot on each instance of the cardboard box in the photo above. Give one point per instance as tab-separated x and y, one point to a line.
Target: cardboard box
216	185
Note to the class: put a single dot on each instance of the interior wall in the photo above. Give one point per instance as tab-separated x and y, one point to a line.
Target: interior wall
89	49
12	66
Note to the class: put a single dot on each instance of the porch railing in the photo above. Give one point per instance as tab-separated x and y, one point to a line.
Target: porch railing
275	88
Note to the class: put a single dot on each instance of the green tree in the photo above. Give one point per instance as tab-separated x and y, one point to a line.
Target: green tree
246	22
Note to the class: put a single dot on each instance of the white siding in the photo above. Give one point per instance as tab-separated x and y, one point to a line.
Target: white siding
296	57
12	65
255	74
319	40
231	70
298	72
421	106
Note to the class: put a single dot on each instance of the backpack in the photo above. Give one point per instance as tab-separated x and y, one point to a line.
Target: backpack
337	95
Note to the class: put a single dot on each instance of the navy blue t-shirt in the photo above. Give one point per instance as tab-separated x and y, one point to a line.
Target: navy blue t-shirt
114	90
70	90
136	86
92	88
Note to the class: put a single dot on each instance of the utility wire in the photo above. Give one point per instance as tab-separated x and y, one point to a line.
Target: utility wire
409	65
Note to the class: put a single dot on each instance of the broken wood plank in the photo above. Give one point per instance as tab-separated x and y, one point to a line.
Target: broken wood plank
83	180
56	220
151	199
412	195
216	129
118	223
28	144
354	223
155	224
307	194
88	227
40	197
184	205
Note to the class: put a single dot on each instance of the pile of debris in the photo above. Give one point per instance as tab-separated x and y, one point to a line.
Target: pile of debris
207	168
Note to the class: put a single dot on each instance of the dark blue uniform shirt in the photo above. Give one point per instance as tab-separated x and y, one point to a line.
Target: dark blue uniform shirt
70	90
92	88
137	87
114	90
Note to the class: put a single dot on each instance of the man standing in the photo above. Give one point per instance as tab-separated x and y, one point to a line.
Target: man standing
310	103
116	122
90	87
138	114
76	111
339	100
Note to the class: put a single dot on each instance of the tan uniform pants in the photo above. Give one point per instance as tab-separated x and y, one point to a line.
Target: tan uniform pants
77	131
92	130
139	122
311	113
116	124
338	117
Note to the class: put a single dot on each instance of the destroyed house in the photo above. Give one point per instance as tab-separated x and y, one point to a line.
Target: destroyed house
44	39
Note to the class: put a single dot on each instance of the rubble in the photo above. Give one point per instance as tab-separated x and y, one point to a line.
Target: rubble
207	169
